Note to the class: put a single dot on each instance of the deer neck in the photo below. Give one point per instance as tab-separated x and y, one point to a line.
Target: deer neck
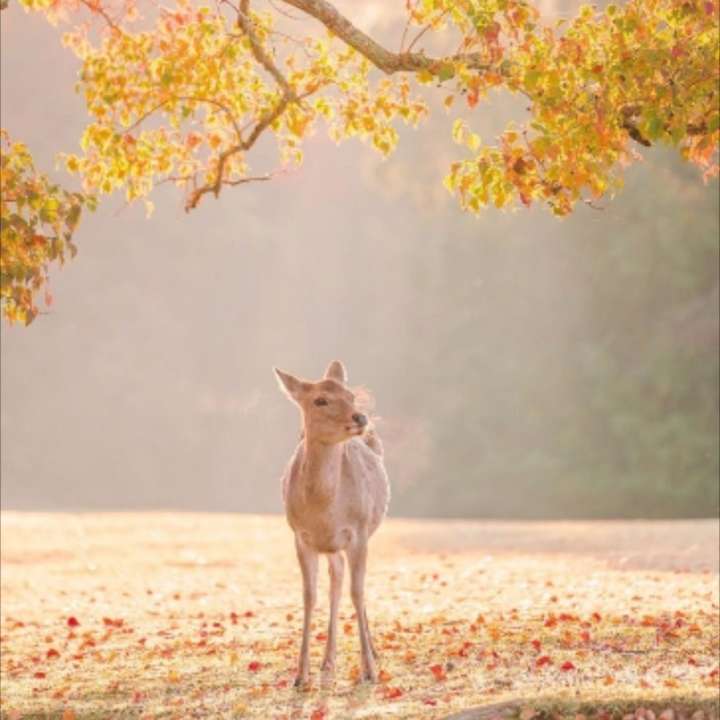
321	469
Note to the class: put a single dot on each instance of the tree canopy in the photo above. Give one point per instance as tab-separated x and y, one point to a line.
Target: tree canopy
188	94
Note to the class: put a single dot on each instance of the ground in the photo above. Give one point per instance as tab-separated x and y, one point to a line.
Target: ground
189	615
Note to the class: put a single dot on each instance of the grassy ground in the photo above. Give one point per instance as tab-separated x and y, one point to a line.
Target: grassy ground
178	615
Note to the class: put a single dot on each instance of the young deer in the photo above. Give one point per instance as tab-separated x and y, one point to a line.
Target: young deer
336	493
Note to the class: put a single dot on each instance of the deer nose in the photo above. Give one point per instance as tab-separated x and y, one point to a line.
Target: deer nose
361	420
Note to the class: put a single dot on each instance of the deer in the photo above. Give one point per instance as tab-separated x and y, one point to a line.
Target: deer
336	494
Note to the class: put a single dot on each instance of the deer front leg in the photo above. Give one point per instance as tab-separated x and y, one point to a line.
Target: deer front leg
308	560
357	559
336	566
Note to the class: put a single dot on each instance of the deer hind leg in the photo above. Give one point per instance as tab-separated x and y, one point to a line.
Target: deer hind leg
308	560
373	650
357	559
336	566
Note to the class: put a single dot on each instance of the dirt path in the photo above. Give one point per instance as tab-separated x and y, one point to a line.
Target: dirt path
182	615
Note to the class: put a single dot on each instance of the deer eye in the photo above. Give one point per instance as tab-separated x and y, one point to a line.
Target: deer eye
320	401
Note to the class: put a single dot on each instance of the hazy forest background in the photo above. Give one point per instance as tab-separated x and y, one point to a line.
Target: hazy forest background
524	366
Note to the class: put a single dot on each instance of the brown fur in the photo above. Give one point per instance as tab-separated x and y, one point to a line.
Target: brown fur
336	494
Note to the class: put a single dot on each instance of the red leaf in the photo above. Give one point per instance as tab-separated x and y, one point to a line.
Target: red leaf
72	621
543	660
52	653
318	714
536	645
429	701
254	666
391	693
567	666
39	675
438	671
551	621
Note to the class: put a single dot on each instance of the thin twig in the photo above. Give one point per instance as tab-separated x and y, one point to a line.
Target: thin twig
98	8
425	29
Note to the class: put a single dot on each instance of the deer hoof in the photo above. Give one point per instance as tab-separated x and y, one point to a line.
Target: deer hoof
301	682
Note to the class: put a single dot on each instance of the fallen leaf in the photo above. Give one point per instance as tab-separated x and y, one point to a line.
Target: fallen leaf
72	621
438	671
567	666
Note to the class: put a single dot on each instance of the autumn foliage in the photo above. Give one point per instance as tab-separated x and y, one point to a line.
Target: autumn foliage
183	94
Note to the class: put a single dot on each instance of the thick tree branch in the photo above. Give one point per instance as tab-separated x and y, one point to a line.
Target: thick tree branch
383	59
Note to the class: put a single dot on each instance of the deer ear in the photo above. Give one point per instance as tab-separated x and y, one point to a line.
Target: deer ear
336	371
289	384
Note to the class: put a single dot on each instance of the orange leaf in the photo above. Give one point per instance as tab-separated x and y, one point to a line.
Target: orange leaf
438	671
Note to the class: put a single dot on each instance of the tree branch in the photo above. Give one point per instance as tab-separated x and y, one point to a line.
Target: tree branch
245	24
288	96
383	59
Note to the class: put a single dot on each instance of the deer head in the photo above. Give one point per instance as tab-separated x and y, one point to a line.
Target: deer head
329	408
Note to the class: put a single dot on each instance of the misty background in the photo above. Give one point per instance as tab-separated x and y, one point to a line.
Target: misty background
522	366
